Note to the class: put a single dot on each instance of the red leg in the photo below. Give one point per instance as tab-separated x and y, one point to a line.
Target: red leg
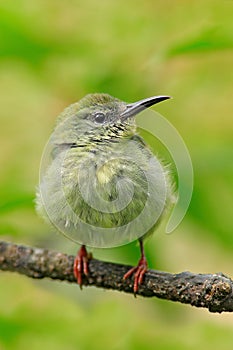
81	264
139	270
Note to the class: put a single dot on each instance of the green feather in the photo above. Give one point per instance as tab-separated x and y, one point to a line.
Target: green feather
96	181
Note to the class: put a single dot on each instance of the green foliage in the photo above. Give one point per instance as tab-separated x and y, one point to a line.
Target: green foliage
211	39
52	54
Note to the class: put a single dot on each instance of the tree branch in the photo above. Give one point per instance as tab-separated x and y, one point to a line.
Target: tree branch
211	291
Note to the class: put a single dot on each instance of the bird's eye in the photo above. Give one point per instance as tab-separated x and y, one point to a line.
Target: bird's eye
99	118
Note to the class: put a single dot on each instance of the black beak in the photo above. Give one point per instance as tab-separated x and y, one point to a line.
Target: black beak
134	108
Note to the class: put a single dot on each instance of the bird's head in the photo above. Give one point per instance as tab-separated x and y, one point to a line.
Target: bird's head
98	117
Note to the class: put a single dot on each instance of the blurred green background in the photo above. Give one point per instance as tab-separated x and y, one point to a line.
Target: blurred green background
52	53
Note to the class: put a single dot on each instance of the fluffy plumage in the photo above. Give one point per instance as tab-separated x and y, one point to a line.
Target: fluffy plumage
101	175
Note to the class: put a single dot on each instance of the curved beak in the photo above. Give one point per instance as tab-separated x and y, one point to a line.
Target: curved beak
134	108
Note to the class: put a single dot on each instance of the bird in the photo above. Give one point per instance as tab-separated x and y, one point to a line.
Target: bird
100	183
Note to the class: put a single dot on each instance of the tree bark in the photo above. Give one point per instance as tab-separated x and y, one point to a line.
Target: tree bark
211	291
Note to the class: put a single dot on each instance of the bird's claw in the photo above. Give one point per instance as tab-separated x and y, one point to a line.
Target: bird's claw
81	264
139	272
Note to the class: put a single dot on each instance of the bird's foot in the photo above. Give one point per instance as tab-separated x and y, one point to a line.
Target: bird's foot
81	264
139	272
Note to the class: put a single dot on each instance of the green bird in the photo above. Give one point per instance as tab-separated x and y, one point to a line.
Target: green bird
100	184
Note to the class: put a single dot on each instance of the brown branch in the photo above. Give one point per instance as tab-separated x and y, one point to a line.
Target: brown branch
211	291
